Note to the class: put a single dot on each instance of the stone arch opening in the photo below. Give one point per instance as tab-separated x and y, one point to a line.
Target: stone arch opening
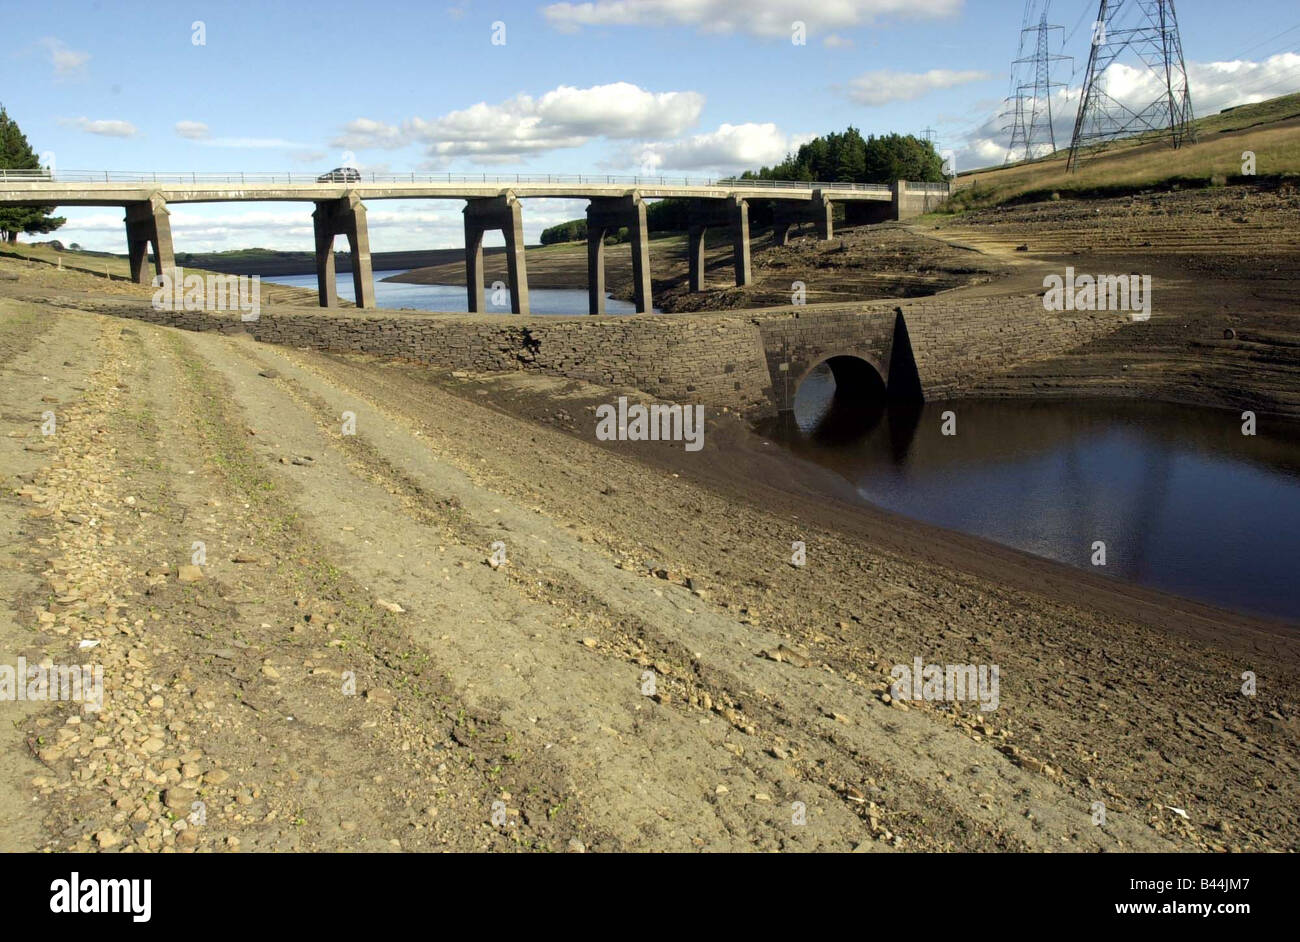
842	396
857	382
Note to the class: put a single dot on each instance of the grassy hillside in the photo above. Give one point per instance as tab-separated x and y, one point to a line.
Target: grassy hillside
1271	129
96	263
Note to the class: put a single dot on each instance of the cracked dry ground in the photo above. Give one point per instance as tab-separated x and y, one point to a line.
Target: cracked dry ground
332	556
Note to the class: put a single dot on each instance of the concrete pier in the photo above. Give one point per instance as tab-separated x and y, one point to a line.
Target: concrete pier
345	216
823	211
484	214
149	222
695	255
820	211
740	234
732	212
606	214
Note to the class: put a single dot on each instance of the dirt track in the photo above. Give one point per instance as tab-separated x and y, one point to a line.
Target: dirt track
527	684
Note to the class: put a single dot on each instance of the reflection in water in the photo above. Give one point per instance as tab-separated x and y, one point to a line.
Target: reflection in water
1183	501
396	294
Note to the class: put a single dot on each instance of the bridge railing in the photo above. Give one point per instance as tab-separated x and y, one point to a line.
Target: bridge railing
928	187
195	178
26	176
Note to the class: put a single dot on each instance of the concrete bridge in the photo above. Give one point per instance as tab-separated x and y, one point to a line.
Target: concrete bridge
491	203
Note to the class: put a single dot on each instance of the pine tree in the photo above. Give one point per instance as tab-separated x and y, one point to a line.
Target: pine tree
847	157
17	154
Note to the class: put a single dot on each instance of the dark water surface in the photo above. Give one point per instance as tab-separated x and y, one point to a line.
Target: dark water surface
1182	499
392	294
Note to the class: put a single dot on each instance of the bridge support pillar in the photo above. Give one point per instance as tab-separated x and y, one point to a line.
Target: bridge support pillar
345	216
607	213
595	271
146	222
481	215
823	215
786	213
740	246
695	255
704	214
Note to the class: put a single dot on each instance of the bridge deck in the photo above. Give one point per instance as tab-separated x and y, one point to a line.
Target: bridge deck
115	193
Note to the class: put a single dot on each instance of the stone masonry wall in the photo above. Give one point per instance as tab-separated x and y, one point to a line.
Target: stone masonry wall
719	359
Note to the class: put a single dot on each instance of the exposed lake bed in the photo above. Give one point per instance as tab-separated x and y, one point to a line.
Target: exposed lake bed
460	454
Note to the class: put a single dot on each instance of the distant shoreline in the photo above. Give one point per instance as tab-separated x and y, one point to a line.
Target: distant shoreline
304	263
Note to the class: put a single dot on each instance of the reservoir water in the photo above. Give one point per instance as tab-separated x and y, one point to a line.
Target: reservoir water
1182	500
393	294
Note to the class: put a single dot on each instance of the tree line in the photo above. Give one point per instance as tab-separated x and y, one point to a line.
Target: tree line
845	157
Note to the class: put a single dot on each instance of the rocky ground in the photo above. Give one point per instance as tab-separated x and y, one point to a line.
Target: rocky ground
350	664
1224	262
884	261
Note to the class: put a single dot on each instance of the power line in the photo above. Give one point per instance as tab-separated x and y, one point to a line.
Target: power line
1265	42
1285	81
1086	6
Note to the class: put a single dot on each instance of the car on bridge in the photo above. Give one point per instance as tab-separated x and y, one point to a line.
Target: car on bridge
341	175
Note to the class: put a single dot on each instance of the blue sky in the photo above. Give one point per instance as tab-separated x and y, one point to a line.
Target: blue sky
688	87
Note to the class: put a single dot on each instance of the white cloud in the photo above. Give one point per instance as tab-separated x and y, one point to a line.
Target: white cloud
198	131
620	110
836	41
66	61
732	147
886	85
1214	85
254	143
522	126
192	130
363	133
767	18
103	128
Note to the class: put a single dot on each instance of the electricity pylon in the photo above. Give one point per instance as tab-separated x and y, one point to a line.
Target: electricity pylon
1032	134
1141	35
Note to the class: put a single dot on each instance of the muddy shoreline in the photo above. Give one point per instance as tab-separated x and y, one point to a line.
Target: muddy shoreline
743	465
